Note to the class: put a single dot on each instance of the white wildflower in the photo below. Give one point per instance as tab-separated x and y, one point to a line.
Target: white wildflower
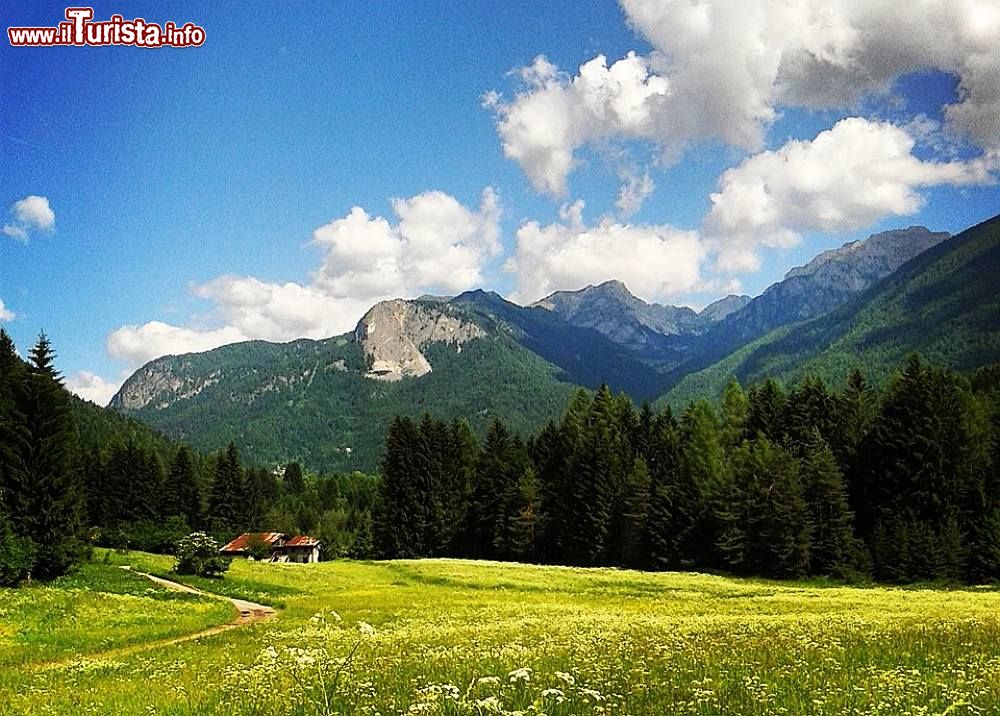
522	674
567	679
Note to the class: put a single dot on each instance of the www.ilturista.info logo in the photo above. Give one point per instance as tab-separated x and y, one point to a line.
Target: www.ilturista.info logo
80	30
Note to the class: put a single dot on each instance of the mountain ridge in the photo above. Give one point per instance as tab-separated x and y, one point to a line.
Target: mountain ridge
937	304
473	355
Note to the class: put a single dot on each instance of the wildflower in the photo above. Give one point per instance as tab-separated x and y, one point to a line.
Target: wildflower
522	674
490	703
567	679
556	694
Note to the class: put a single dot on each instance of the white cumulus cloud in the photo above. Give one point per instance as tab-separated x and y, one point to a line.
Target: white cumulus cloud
32	213
142	343
556	114
722	69
847	178
5	313
435	244
656	262
92	387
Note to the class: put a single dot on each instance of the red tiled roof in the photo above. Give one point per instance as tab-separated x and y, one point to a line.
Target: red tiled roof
240	543
302	541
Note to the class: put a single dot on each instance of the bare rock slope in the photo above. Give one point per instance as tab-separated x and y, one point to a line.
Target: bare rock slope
392	333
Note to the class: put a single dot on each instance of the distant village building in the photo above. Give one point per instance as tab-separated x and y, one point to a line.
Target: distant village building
300	549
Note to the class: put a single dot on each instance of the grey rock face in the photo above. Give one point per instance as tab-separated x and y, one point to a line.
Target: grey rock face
392	333
718	310
610	309
156	380
830	279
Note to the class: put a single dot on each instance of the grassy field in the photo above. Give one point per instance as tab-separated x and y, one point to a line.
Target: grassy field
456	637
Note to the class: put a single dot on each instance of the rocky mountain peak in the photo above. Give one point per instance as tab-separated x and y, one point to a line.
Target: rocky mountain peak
392	334
717	310
878	255
612	310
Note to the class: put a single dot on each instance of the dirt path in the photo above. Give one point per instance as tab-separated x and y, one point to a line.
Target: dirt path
247	613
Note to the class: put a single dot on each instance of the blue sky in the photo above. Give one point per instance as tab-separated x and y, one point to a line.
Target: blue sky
171	170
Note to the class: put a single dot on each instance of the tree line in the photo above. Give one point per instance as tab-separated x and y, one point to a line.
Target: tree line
899	485
135	500
62	490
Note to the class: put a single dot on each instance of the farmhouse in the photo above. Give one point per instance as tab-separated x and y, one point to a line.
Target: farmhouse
284	548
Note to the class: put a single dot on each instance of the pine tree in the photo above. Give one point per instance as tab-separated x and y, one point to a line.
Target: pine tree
502	462
833	550
735	409
294	482
597	473
461	455
433	477
42	488
522	518
643	436
261	490
675	504
551	453
855	408
401	520
227	503
766	411
918	474
634	541
766	529
182	493
809	408
131	485
702	479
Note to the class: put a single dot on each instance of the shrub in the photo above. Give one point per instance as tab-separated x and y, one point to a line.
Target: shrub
257	548
198	554
17	556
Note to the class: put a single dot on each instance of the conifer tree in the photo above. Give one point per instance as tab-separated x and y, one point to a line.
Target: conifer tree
502	462
634	541
182	492
703	478
523	518
401	520
855	407
809	408
766	411
551	453
675	504
486	512
917	474
765	527
461	452
833	550
261	490
735	409
597	473
228	501
42	489
294	482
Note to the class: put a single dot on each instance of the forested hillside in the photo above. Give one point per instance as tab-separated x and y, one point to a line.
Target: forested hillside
901	485
943	304
310	400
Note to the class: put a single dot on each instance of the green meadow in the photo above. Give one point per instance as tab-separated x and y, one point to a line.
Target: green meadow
462	637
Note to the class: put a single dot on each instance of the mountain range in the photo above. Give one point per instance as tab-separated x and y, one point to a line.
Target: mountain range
477	355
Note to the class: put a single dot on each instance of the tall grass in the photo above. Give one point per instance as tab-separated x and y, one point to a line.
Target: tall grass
457	637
